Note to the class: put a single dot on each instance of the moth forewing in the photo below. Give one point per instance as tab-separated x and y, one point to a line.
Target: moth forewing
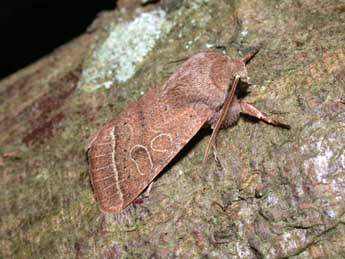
130	152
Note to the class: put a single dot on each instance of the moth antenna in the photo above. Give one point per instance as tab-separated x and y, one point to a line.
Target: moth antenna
225	109
251	54
179	60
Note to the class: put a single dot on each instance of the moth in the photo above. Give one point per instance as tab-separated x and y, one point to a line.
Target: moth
128	152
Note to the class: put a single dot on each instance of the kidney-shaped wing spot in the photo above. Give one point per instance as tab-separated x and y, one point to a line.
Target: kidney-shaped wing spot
141	157
162	143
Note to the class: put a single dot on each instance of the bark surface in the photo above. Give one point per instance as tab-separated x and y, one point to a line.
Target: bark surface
272	193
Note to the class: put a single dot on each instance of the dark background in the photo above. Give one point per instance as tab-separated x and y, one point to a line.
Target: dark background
31	29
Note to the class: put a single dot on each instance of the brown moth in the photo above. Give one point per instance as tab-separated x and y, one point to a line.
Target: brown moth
127	153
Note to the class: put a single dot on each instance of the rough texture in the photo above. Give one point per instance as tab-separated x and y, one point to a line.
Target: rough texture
272	194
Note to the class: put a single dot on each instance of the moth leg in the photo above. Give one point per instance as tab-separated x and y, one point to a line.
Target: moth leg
148	191
216	158
252	111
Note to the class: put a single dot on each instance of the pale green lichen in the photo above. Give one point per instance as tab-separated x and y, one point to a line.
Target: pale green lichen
125	47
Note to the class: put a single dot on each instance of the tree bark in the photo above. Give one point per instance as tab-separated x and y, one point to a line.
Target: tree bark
273	193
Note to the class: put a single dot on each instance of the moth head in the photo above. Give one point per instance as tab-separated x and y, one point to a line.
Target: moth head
238	67
224	70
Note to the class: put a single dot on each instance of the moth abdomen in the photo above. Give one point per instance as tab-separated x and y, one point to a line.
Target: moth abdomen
231	118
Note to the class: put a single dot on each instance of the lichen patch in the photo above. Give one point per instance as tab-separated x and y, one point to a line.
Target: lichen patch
126	46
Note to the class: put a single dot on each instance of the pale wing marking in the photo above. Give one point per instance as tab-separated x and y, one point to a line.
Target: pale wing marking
101	168
101	155
116	174
159	136
103	143
102	179
136	163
